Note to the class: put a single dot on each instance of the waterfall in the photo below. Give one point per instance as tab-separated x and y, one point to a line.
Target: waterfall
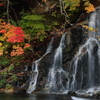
34	74
56	73
85	66
84	71
33	77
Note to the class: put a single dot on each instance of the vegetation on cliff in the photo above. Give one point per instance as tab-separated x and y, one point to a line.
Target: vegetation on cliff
24	27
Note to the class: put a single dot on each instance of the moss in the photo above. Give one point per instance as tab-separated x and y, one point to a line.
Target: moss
8	86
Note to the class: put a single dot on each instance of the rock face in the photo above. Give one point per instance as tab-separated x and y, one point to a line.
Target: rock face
95	2
73	39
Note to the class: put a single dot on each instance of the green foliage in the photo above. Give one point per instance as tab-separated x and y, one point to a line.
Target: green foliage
6	71
6	77
4	61
33	17
8	86
2	82
71	4
34	26
4	74
68	49
14	77
9	69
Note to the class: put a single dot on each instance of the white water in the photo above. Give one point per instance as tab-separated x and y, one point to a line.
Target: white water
85	66
33	77
77	98
87	60
35	72
56	72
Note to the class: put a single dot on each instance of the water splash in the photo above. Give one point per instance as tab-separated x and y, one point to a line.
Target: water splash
35	72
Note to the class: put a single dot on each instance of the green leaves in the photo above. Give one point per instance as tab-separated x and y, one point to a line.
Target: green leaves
8	86
32	21
10	68
4	61
38	25
14	77
34	25
2	82
71	4
33	17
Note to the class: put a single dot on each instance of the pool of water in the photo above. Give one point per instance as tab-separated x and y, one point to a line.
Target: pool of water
39	97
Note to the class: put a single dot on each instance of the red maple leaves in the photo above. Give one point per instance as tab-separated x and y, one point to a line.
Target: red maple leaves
18	36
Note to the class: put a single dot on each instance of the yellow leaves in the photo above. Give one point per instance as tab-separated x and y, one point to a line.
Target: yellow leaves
1	52
74	5
89	28
6	30
14	46
0	44
98	37
71	4
89	8
1	49
2	38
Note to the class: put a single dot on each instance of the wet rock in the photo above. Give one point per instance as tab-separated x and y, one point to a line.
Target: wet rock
20	90
96	96
72	93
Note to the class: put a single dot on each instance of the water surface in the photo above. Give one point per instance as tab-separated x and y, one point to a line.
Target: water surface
39	97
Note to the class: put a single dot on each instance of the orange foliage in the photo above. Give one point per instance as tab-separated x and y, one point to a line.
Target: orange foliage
17	50
89	8
27	45
10	33
2	31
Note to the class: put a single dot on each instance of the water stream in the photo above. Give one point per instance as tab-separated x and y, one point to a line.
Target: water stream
34	74
56	73
84	68
39	97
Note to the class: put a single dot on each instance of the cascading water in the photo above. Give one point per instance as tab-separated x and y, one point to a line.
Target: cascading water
33	77
56	73
34	74
85	67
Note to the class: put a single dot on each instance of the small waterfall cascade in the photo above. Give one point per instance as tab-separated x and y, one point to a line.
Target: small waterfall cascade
85	66
33	77
56	73
35	72
84	73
